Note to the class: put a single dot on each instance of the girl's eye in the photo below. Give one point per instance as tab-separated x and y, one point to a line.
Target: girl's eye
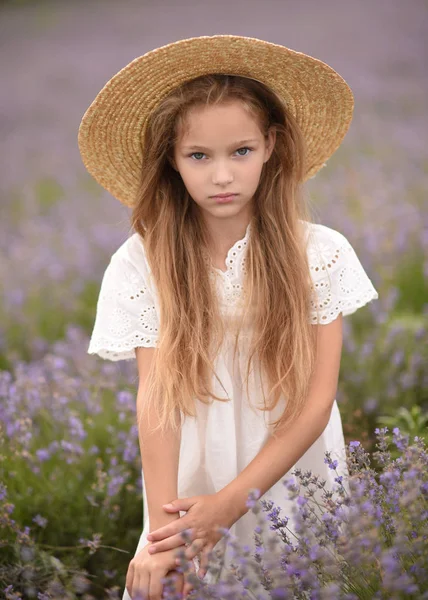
244	149
195	153
200	154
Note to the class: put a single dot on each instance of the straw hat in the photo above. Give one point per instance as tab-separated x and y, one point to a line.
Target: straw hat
112	130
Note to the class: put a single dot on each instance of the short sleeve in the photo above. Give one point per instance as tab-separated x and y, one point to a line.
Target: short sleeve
339	281
127	313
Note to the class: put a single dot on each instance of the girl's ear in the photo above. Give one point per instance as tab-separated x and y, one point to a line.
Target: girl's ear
270	143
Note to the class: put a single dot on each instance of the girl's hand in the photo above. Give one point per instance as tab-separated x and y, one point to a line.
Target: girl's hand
205	514
145	572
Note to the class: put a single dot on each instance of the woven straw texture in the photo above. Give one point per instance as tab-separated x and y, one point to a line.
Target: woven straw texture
112	129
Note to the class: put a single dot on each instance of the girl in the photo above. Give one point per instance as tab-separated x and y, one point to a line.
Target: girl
228	296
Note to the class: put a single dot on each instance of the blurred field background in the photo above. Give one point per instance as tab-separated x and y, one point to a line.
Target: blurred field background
70	489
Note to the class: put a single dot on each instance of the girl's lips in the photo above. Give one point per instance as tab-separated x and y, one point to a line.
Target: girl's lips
223	199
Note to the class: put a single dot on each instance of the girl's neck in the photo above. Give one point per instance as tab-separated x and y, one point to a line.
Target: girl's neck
223	241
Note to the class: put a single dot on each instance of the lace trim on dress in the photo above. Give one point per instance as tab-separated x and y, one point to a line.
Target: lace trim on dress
127	317
234	254
127	309
230	287
339	282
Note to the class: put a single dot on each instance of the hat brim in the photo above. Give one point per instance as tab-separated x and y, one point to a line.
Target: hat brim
112	129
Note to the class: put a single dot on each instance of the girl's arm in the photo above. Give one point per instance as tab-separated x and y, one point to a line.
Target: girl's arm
159	453
281	452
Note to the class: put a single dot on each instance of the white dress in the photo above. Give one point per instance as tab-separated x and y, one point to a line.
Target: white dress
218	444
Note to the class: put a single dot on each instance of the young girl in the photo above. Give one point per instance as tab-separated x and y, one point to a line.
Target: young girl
228	296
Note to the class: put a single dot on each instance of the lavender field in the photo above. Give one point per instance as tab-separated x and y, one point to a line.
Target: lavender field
70	485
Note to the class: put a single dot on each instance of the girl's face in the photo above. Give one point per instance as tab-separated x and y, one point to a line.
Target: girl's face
222	150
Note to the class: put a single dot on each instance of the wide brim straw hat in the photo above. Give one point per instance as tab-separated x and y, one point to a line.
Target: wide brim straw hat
111	133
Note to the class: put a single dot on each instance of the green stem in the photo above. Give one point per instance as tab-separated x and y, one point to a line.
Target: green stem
81	546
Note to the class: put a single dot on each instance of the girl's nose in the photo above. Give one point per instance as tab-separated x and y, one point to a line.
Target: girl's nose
222	174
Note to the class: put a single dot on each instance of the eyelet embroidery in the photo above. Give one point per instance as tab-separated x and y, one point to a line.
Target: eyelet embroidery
127	309
120	322
126	315
148	319
339	282
234	255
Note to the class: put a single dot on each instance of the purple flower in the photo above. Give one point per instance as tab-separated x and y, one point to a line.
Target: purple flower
41	521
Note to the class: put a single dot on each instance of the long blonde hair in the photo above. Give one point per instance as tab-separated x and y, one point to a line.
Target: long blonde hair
277	279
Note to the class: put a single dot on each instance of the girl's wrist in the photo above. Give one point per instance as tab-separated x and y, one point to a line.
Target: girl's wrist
233	510
162	520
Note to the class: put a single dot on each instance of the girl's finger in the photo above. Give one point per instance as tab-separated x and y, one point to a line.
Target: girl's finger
167	544
204	561
155	586
169	530
140	587
129	579
193	550
195	547
178	581
188	587
157	583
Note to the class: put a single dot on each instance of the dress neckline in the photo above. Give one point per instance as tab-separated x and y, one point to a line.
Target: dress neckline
234	252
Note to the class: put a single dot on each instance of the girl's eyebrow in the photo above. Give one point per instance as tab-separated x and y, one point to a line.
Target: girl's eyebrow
196	147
